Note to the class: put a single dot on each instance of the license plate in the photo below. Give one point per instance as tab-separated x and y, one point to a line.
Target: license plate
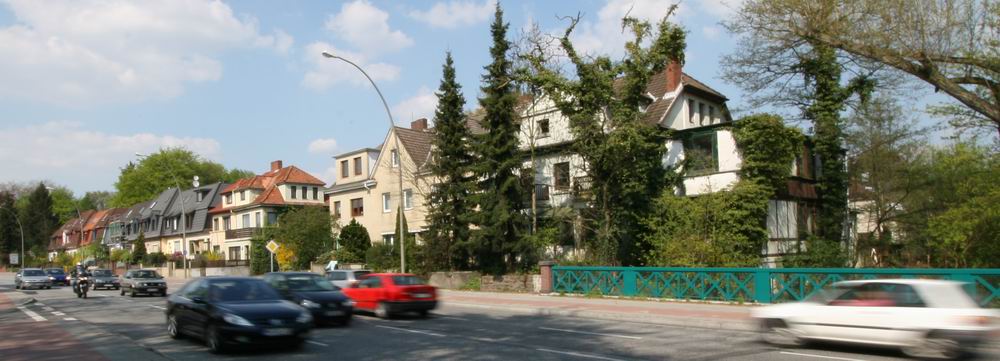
277	331
421	295
152	290
334	313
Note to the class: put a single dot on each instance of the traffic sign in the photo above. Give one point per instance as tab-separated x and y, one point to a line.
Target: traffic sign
14	259
272	246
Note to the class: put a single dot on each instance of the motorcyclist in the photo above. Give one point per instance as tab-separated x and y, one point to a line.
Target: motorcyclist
78	271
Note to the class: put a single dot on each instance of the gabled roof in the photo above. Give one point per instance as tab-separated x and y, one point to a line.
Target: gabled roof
268	184
94	220
417	143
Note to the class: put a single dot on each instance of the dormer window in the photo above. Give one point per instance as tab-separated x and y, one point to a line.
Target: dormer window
543	127
198	196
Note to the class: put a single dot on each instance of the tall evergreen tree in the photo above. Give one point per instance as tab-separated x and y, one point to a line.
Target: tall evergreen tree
448	233
139	251
354	243
10	235
39	220
499	240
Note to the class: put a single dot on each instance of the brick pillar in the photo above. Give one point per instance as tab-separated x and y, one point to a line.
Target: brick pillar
546	271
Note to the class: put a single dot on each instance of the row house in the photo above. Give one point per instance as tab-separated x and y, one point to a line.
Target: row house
251	203
367	184
184	215
113	225
68	236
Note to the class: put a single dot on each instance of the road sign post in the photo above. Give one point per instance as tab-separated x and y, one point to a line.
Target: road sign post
272	247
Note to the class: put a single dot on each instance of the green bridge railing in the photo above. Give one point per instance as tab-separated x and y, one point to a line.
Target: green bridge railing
760	285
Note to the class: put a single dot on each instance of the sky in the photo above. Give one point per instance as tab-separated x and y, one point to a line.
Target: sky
86	84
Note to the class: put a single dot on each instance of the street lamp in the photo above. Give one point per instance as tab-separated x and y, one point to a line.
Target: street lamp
180	195
21	229
399	154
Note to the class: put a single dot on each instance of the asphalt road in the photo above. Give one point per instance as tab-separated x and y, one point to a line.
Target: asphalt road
121	327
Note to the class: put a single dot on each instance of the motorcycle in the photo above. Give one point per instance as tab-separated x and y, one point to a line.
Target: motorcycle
82	284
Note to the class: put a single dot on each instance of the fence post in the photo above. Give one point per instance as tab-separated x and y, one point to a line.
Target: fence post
545	268
762	285
629	277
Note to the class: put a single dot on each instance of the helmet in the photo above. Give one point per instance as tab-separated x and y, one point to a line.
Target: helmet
79	264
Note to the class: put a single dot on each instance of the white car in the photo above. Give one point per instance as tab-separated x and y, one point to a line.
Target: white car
925	318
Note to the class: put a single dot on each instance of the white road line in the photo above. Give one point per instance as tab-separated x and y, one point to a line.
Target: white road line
318	343
577	354
39	303
453	318
47	308
411	331
160	307
820	356
69	319
57	313
32	314
592	333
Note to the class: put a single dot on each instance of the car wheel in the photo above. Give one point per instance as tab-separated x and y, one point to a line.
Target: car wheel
123	292
131	292
382	311
173	328
777	332
213	340
423	313
935	345
346	321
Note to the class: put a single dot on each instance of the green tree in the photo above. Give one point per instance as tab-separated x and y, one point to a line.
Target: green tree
500	242
260	257
306	232
354	243
139	250
64	204
139	182
448	233
95	201
39	220
10	234
603	102
415	256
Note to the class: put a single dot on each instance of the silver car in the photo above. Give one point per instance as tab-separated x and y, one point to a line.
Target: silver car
31	278
343	278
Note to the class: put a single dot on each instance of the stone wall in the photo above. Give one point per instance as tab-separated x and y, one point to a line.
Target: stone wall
451	280
511	283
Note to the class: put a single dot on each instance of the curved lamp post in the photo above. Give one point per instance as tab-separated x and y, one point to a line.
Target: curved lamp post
399	155
21	229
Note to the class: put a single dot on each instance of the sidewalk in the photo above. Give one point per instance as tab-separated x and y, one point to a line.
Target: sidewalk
688	314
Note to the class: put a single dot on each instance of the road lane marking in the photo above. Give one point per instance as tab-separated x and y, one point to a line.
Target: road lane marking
592	333
820	356
69	319
32	314
318	343
47	308
453	318
160	307
39	303
577	354
411	331
57	313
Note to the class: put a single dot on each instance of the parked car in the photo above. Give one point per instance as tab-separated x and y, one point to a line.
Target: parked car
387	294
312	291
228	311
926	318
104	278
345	277
143	281
57	276
31	278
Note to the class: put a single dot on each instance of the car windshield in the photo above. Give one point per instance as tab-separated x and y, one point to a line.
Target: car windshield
359	274
145	274
33	272
102	273
407	280
55	272
309	283
241	291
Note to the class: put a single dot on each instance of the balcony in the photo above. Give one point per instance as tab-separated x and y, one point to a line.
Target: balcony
242	233
581	188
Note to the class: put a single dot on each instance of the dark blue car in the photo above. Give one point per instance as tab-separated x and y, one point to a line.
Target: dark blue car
57	276
314	292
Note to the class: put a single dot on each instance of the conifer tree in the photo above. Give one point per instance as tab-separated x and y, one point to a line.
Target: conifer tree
448	232
10	235
39	220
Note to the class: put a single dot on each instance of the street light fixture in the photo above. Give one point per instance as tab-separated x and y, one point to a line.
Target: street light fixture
183	222
392	124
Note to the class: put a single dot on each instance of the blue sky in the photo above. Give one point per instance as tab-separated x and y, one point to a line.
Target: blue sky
86	84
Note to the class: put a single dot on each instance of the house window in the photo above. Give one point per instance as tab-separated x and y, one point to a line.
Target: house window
226	224
395	158
215	224
336	209
408	199
305	192
344	171
560	175
701	153
315	193
294	189
234	253
189	221
357	207
543	127
386	203
272	218
782	220
691	110
711	114
246	221
229	199
389	239
243	195
258	219
357	166
199	195
177	246
701	112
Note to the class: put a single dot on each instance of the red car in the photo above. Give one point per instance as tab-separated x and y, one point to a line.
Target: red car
387	294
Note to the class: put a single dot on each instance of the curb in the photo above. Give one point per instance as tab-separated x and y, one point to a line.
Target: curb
715	324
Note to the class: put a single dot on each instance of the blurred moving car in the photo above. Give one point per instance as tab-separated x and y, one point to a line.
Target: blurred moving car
387	294
31	278
344	277
312	291
104	278
925	318
57	276
227	311
143	281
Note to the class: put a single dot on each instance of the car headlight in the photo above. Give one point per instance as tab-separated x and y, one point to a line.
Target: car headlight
236	320
310	304
304	317
51	278
348	303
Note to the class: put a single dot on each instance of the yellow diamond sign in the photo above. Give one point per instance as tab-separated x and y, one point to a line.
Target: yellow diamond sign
272	246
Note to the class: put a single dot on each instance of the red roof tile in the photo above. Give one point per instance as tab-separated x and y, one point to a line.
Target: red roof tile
268	183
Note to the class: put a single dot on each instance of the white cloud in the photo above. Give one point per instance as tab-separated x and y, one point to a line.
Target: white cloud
66	152
94	51
366	27
605	36
722	9
323	145
419	106
325	72
454	14
711	32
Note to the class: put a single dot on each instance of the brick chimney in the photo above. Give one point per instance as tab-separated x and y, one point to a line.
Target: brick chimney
673	75
275	165
419	124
